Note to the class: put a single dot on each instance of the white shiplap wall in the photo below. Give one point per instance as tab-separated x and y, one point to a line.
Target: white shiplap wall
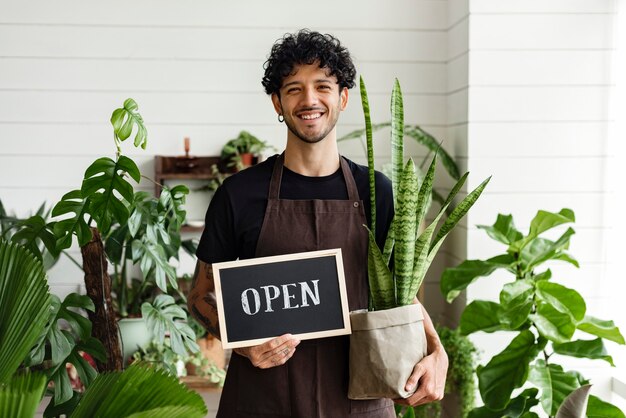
539	86
194	68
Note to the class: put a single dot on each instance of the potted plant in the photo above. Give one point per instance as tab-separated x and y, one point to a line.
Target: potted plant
544	316
380	362
240	152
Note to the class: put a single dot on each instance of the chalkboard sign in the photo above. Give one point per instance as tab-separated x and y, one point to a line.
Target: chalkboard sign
303	294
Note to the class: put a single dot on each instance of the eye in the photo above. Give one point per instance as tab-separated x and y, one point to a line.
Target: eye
293	90
324	87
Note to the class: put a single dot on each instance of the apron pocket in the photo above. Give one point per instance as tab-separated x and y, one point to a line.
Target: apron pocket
263	391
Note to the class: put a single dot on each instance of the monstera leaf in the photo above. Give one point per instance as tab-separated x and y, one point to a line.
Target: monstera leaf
164	316
125	119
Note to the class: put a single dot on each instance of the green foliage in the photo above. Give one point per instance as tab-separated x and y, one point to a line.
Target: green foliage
245	143
124	121
543	315
25	304
164	316
20	397
139	391
396	283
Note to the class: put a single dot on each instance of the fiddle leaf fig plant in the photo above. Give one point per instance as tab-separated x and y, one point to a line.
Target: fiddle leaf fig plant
395	282
545	317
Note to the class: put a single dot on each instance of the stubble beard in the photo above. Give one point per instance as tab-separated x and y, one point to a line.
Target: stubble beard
311	139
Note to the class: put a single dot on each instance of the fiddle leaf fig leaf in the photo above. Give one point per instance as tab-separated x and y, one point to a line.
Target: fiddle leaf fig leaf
516	302
519	407
544	221
503	230
600	328
597	408
541	250
456	279
125	119
481	315
564	299
74	203
553	324
507	370
592	349
555	384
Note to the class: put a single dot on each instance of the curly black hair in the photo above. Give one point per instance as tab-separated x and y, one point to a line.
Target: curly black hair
307	47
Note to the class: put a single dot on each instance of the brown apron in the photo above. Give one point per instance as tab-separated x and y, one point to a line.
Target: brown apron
314	382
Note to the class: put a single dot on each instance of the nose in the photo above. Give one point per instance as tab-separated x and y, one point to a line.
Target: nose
309	97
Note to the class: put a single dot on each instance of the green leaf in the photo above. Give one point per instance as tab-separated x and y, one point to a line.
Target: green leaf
564	299
542	222
481	316
20	397
164	315
33	231
600	328
592	349
503	230
123	121
25	303
380	279
519	407
555	384
456	279
516	302
152	260
541	250
397	138
507	370
553	324
597	408
72	202
139	389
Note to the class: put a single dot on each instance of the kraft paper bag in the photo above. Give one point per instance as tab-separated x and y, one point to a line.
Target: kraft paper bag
384	347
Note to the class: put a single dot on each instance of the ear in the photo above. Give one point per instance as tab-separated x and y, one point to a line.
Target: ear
343	97
276	102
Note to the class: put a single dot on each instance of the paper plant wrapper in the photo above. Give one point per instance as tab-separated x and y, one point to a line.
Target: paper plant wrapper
384	348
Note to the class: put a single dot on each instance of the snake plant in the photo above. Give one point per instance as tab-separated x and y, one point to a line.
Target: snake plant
395	282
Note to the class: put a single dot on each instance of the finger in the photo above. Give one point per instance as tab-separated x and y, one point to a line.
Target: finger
278	359
279	347
418	372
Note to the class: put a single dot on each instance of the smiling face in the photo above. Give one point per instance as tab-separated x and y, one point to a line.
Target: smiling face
310	101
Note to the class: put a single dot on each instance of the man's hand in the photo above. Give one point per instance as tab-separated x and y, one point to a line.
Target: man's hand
272	353
429	375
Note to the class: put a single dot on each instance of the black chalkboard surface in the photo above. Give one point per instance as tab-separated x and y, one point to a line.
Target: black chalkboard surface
303	294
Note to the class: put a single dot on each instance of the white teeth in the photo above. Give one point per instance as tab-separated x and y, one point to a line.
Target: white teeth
313	116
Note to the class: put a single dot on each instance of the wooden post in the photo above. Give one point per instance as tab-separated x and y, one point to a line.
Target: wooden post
98	284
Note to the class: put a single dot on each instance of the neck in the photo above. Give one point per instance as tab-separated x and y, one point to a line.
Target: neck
312	160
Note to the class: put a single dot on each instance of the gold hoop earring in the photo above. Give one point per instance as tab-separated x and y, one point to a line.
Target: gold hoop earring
281	118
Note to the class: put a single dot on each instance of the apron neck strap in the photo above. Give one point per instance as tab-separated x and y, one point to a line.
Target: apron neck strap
277	174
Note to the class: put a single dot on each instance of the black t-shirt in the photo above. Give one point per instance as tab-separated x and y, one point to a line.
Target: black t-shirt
235	215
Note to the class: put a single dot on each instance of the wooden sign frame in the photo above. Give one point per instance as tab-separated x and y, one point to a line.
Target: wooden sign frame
220	270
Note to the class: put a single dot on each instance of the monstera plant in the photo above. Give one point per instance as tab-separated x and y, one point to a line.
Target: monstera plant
547	320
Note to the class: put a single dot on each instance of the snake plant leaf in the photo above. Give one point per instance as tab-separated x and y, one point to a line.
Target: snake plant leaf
25	303
20	397
480	315
425	191
456	279
397	138
562	298
555	384
380	278
370	152
163	316
140	389
592	349
601	328
519	407
73	203
123	121
457	214
507	370
503	230
405	229
553	324
597	408
575	404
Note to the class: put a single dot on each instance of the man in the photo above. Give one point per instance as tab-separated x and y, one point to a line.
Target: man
309	198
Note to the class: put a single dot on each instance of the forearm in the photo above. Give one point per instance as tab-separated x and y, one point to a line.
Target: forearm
201	299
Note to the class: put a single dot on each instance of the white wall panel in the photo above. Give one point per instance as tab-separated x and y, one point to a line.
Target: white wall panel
540	6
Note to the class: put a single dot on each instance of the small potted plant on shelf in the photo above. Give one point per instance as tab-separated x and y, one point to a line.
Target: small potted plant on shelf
242	151
387	341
